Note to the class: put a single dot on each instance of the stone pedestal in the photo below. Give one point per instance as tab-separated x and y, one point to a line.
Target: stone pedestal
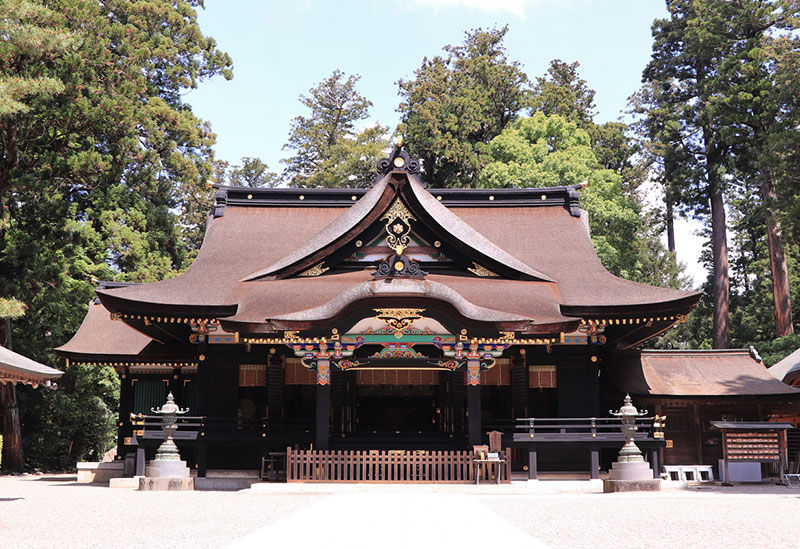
631	476
166	475
166	483
172	469
630	470
649	485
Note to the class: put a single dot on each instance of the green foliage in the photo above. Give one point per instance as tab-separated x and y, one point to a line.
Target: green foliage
550	151
563	92
11	308
457	104
252	172
102	163
75	422
329	151
773	351
720	111
539	151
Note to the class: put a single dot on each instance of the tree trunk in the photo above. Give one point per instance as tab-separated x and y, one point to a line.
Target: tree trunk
12	437
777	261
9	412
719	248
670	227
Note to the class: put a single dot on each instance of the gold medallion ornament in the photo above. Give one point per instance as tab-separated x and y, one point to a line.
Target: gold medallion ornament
399	319
397	232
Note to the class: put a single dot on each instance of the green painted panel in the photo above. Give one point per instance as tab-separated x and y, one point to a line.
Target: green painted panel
148	394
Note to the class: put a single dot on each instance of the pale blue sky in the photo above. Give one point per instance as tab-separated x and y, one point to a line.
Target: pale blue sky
281	49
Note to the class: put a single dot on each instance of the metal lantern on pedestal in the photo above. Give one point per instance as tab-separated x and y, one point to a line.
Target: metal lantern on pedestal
169	412
630	453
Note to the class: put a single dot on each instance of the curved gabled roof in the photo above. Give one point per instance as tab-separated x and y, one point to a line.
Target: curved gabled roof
535	239
369	209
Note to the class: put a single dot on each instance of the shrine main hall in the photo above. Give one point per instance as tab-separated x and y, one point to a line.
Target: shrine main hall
401	318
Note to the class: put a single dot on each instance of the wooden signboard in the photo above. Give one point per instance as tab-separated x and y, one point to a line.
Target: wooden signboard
752	446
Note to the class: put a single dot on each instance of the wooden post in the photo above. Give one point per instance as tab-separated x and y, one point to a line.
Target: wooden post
323	425
698	433
655	462
140	461
532	473
474	411
594	463
125	409
203	388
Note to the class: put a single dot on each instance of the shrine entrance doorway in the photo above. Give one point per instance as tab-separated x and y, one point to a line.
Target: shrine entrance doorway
397	409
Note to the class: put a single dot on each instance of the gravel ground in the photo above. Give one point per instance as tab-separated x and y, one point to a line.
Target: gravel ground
708	516
51	511
55	511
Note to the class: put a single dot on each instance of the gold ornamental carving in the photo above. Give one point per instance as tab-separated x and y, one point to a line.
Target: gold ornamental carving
397	233
314	271
399	319
480	270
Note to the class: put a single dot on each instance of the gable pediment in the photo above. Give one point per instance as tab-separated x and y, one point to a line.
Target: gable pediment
399	228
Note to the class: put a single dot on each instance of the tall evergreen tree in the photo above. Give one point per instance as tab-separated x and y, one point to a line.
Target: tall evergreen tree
457	103
99	151
705	68
329	150
563	92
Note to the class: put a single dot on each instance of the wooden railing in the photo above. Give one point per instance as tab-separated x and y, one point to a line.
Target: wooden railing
389	466
584	429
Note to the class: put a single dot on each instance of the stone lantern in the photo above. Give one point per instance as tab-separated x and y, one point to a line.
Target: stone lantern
630	472
630	453
169	413
167	471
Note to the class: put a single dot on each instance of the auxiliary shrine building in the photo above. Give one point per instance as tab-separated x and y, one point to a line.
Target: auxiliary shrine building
404	318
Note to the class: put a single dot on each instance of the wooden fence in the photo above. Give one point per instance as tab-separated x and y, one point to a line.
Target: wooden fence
390	466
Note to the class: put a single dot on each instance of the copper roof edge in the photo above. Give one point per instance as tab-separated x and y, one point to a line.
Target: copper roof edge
685	352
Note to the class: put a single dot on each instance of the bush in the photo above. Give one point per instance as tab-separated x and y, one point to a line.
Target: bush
76	422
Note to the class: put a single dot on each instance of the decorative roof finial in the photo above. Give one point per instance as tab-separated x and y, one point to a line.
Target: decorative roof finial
399	160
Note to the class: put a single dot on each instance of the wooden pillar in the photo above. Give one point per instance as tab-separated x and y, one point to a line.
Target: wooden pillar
125	409
275	385
698	433
594	463
655	462
323	424
474	401
203	390
519	387
593	381
532	472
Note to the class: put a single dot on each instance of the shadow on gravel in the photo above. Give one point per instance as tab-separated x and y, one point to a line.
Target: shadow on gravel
63	478
750	489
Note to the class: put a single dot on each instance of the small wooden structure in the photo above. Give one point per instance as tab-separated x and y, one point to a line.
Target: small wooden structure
762	442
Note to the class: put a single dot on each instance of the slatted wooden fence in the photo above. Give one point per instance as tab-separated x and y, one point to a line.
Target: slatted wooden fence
389	466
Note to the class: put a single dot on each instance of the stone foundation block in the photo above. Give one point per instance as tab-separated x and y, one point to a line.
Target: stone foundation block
166	484
649	485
